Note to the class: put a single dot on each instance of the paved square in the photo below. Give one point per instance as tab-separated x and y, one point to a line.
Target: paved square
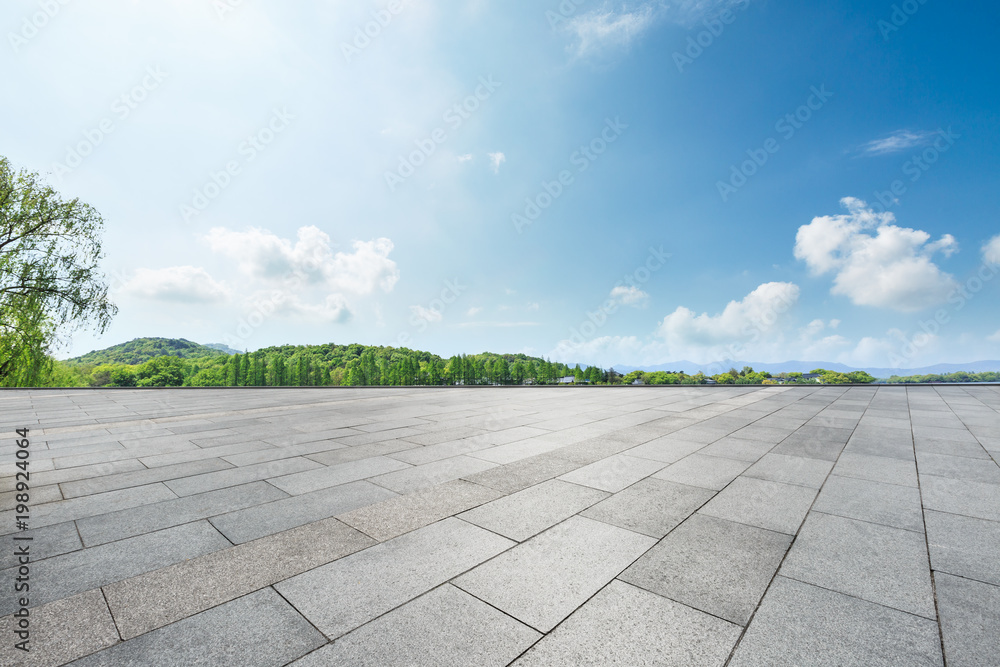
785	525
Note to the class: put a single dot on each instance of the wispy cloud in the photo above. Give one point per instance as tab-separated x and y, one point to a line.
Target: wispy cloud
497	159
499	324
900	140
600	29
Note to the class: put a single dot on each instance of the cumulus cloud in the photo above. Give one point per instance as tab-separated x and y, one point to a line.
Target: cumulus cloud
184	284
427	314
890	269
268	257
991	251
629	296
899	140
496	159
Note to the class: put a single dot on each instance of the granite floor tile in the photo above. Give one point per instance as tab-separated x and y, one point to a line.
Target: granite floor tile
652	507
613	473
708	472
964	546
876	502
970	620
762	503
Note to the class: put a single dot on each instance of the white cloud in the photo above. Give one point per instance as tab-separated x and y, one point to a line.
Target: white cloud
427	314
605	28
892	269
629	296
899	140
991	251
995	338
334	308
533	305
465	158
496	159
186	284
472	312
267	257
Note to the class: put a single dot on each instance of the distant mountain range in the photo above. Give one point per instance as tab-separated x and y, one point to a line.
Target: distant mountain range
806	366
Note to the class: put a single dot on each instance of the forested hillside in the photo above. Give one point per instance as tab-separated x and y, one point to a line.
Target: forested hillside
141	350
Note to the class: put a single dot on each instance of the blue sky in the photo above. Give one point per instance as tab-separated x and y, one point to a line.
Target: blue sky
608	183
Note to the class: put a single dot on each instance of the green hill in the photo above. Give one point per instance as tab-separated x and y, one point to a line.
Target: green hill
141	350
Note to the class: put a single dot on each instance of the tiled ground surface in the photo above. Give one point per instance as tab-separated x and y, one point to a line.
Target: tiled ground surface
495	526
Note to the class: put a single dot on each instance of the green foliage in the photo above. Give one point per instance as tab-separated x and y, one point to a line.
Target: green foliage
960	376
50	281
142	350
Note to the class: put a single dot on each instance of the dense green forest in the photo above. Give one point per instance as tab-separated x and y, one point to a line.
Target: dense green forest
160	362
951	377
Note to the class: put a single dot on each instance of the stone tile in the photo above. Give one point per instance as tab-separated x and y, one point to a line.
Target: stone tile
148	518
951	447
61	631
765	504
613	473
78	571
877	469
530	511
156	460
958	467
242	475
667	449
964	546
517	451
513	477
100	503
39	479
86	487
961	497
444	450
970	621
624	625
268	518
401	514
257	629
322	478
887	504
884	565
652	507
540	582
359	452
46	542
153	600
418	478
816	442
379	579
798	624
799	470
444	627
708	472
717	566
739	449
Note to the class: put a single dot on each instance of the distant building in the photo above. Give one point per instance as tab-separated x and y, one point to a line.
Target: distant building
569	379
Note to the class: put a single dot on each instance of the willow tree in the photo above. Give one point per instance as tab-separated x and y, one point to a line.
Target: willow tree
50	281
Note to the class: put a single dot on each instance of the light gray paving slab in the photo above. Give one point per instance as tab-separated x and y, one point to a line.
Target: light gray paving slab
799	470
959	467
86	487
401	514
359	452
60	631
877	468
970	621
47	477
614	473
708	472
815	442
445	627
268	518
966	448
888	442
46	542
667	449
379	579
530	511
418	478
624	625
964	546
738	448
541	581
887	566
516	451
717	566
887	504
513	477
799	624
762	503
78	571
335	475
652	507
240	475
152	600
257	629
961	496
148	518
